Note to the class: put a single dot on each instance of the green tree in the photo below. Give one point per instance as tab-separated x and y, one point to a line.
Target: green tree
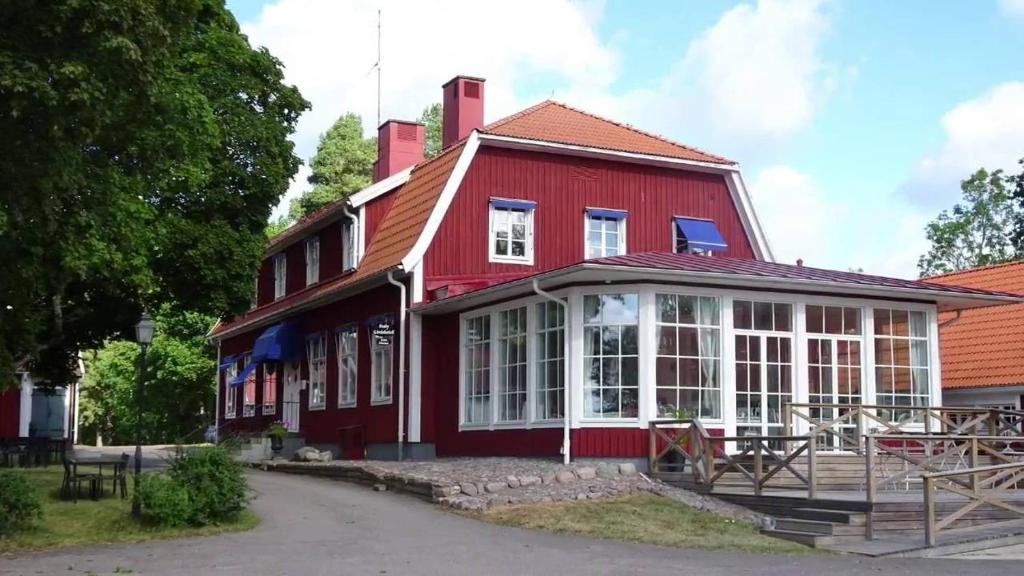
976	232
343	164
144	145
178	396
1018	198
431	117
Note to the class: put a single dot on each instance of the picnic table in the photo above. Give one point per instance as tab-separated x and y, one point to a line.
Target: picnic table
72	479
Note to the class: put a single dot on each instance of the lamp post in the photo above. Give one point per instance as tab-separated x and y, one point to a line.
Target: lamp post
143	335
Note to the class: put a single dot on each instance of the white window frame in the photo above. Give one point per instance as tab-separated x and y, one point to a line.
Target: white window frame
382	371
247	408
542	334
620	356
280	275
347	351
620	231
230	392
312	247
493	256
762	335
926	341
511	367
316	361
349	247
700	326
475	381
268	409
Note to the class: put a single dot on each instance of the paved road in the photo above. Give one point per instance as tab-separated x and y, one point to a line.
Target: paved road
313	526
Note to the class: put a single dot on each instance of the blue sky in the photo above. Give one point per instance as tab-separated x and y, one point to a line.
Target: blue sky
853	121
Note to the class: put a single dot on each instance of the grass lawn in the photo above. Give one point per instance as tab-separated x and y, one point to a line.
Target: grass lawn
105	521
644	519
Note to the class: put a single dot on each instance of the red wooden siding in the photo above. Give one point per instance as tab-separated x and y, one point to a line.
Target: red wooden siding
321	426
376	209
10	412
563	187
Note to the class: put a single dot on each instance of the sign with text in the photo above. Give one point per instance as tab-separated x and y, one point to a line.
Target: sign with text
384	333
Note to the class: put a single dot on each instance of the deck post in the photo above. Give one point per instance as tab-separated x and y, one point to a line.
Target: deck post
927	421
812	467
787	425
652	449
929	511
869	465
859	430
973	463
757	465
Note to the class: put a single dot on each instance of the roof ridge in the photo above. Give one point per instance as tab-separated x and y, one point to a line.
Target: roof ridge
529	110
632	128
978	269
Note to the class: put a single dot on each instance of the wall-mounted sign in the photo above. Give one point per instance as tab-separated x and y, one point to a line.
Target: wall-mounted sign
383	333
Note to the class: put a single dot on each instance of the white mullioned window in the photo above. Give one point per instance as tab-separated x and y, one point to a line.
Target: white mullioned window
902	369
230	391
605	233
611	356
249	389
764	365
347	348
269	388
550	346
510	235
834	362
280	275
512	365
312	260
381	371
476	361
688	363
316	358
349	239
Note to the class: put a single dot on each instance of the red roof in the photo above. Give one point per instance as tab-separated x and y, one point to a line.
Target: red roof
985	347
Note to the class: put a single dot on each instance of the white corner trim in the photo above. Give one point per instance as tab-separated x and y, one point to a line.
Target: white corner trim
415	379
444	201
748	215
381	188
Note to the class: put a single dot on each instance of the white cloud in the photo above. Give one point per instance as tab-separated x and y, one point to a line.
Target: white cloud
1013	8
797	216
329	48
981	133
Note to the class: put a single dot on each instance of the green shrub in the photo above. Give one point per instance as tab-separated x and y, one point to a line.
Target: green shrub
214	481
164	500
19	502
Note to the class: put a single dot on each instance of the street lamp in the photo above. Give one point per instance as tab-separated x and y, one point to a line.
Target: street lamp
143	335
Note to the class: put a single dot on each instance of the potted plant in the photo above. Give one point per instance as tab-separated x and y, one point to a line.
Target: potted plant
276	432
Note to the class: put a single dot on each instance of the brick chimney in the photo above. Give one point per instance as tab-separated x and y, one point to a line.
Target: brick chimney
399	145
463	108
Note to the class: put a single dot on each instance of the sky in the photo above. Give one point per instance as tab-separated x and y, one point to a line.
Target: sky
853	121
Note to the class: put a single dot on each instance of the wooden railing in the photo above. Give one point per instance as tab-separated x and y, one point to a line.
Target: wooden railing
988	486
687	443
843	426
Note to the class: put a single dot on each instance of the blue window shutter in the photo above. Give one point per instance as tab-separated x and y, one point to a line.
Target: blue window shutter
513	204
701	234
610	214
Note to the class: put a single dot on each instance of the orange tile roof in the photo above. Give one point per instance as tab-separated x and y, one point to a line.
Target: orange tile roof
985	347
556	122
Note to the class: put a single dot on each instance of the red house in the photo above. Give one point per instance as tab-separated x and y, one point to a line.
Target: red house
546	286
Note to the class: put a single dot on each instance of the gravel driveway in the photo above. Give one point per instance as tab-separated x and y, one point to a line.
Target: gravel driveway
313	526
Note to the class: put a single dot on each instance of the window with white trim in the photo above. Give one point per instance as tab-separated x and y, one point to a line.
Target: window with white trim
249	390
512	365
610	356
381	370
230	392
346	346
834	363
511	231
316	358
688	365
550	394
764	366
902	370
606	233
269	388
476	352
312	260
280	275
349	238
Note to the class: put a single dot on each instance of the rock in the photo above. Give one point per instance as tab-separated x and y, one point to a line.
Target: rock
306	454
525	481
494	487
326	456
468	488
627	469
565	476
607	470
581	496
548	478
380	487
512	482
586	473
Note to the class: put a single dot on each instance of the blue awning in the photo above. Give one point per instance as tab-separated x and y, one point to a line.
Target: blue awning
226	362
513	204
279	343
611	214
245	373
701	234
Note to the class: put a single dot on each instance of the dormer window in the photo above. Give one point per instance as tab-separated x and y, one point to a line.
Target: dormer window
511	231
605	233
280	275
312	261
697	236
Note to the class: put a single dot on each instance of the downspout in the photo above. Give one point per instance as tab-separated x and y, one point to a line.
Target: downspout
356	248
216	406
952	320
567	387
401	363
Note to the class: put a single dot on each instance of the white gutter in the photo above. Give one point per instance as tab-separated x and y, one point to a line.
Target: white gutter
401	362
567	387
